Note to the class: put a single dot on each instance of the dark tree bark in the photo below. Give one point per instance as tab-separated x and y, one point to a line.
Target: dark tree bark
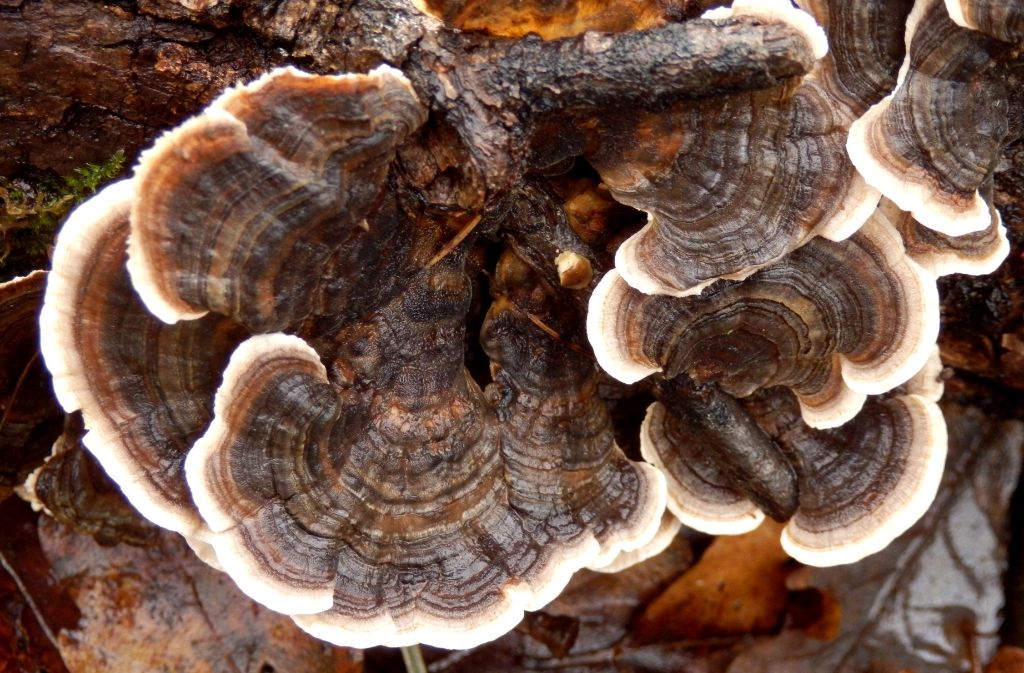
80	79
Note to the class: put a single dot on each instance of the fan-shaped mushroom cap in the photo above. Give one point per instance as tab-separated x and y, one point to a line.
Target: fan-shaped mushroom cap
859	486
71	487
833	321
416	514
932	143
237	204
144	388
734	183
1001	19
976	253
865	483
700	493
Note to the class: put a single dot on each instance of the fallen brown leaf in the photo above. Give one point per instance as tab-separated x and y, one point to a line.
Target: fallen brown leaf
930	602
159	608
1007	660
738	587
33	605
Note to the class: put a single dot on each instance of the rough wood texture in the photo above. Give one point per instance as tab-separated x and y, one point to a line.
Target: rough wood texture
80	79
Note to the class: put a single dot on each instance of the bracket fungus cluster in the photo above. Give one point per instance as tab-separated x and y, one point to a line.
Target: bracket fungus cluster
342	332
318	436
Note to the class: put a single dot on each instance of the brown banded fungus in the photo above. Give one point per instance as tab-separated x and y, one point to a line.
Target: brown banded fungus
335	328
143	386
976	253
834	322
346	470
867	482
72	488
734	183
856	487
934	141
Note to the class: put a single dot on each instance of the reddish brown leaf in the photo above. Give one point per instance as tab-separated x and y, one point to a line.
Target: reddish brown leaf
1007	660
161	609
33	607
738	587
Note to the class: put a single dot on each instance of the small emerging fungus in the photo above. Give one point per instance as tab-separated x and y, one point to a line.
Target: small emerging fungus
574	271
72	488
976	253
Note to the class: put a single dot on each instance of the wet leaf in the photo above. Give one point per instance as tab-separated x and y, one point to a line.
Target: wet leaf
738	587
33	605
159	608
1007	660
930	602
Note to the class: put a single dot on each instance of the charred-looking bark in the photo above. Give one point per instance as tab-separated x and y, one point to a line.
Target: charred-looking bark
501	95
80	79
726	435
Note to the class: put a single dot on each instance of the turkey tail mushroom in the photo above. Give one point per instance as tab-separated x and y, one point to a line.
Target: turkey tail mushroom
144	387
834	321
933	142
976	254
853	488
236	204
733	184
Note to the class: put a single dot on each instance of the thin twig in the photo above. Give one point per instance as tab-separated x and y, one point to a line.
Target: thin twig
550	331
29	600
454	243
413	658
